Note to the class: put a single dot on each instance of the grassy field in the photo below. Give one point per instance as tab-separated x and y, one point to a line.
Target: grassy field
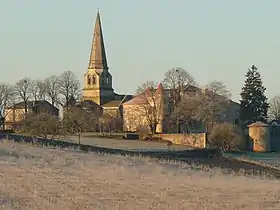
50	178
132	145
271	159
266	159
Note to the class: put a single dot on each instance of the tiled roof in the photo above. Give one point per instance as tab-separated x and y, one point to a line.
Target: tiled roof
139	99
258	124
142	97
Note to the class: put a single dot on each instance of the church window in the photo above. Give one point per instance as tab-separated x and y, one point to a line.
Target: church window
93	80
88	79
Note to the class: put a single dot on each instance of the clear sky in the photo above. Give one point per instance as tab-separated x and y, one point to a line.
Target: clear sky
214	39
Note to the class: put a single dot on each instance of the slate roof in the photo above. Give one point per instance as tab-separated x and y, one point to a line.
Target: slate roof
30	104
273	122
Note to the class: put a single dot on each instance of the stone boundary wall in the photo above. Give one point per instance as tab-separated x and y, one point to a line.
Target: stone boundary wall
194	139
168	155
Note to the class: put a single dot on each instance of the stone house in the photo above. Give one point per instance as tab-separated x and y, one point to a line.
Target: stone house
136	115
16	114
145	110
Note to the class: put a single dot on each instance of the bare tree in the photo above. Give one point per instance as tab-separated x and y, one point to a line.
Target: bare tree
179	83
218	88
78	120
6	94
43	125
22	90
274	108
107	124
143	87
69	87
52	89
186	112
38	90
214	101
150	107
6	100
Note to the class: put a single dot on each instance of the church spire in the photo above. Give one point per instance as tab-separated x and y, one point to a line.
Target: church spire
98	55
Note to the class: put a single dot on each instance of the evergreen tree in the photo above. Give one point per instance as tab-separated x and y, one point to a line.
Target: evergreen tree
253	103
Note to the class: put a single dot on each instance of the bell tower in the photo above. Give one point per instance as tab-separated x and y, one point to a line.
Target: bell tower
98	80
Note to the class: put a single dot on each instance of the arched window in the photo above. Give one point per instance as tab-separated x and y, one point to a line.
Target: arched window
107	80
93	80
89	80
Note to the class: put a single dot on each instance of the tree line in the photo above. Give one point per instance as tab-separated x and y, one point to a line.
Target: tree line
188	104
192	104
208	105
56	89
59	90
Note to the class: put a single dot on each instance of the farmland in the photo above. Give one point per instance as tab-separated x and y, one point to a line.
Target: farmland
51	178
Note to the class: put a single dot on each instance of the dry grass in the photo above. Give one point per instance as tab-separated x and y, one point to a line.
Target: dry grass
269	159
46	178
131	145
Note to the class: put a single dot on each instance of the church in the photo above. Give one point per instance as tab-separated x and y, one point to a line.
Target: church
98	81
98	89
134	111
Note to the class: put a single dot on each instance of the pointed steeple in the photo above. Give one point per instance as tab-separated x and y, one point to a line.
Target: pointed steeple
98	58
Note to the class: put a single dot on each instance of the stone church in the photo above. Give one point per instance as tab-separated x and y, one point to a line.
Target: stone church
98	82
133	110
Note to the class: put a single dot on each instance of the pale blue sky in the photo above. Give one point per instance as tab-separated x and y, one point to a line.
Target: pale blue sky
211	39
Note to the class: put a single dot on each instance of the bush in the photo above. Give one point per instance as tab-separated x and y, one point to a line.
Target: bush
226	137
42	125
143	132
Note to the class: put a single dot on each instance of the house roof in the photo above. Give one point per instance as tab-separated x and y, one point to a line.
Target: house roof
115	103
139	99
273	122
142	97
258	124
30	104
87	104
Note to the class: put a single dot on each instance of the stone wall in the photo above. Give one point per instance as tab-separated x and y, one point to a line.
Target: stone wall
134	117
195	139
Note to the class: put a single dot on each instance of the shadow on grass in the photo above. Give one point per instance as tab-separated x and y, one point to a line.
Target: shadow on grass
211	158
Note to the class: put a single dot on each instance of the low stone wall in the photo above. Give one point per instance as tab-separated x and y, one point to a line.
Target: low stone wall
195	139
166	155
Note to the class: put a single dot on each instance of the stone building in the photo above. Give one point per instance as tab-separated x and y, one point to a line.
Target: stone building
16	114
133	110
98	81
145	110
154	106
